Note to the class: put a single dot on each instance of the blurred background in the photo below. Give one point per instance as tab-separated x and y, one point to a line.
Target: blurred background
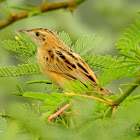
107	19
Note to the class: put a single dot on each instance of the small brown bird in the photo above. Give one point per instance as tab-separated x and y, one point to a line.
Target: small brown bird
59	63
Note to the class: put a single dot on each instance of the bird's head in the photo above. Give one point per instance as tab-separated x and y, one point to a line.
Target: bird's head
41	36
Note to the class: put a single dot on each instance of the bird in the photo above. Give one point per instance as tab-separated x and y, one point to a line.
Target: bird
59	63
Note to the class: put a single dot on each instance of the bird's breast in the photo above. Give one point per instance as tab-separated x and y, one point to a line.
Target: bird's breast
54	77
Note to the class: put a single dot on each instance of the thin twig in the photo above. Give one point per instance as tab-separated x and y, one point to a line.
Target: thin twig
71	5
107	101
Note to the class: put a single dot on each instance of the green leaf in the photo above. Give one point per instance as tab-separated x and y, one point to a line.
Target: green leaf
40	81
36	95
129	84
129	45
17	93
114	74
76	86
90	88
70	87
65	37
101	62
21	70
19	88
86	44
24	46
81	85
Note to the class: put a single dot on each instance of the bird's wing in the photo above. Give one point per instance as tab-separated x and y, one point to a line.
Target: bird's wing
70	65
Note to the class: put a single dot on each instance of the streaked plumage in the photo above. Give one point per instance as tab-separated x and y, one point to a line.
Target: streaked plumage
59	63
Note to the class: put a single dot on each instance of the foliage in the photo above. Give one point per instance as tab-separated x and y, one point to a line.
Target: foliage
129	45
84	116
21	70
24	47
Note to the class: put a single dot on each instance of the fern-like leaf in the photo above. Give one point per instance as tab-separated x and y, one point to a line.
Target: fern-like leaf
101	62
114	74
129	44
24	47
26	51
21	70
65	37
78	87
52	101
36	95
85	44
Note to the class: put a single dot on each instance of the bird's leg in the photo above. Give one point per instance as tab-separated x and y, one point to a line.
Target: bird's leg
57	113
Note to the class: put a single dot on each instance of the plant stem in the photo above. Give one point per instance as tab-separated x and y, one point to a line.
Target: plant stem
127	92
115	102
107	101
71	5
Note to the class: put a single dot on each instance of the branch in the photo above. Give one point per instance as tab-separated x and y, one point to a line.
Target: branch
71	5
127	92
117	101
2	0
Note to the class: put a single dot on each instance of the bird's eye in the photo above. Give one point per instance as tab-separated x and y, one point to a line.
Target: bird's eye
37	33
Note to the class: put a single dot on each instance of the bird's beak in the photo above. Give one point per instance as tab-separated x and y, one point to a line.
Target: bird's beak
24	31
